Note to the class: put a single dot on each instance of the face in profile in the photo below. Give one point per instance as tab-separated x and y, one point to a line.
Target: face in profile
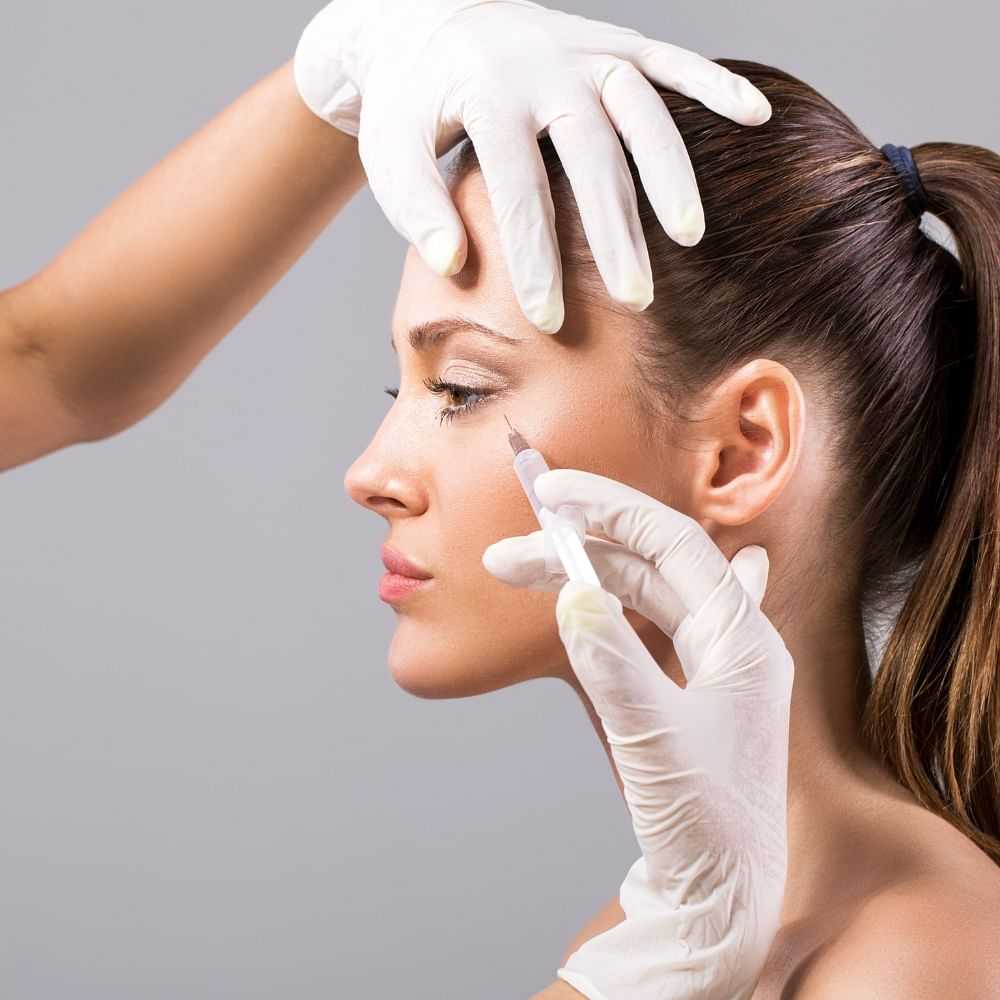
440	471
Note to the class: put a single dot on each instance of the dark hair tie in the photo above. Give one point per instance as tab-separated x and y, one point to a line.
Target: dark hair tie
902	160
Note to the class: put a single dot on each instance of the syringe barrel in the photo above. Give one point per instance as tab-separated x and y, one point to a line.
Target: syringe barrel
529	464
566	540
566	532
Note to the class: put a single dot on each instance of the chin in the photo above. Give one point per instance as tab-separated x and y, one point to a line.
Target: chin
434	680
435	670
434	662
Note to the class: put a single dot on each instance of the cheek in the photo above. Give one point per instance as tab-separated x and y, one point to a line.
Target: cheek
472	633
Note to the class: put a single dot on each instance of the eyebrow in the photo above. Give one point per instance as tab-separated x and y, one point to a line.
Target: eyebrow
424	336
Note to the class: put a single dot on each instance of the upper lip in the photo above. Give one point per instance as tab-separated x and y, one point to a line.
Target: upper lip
396	562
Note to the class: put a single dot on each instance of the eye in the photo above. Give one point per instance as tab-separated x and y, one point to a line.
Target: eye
472	395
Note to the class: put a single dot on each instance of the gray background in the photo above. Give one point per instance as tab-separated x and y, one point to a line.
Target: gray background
209	784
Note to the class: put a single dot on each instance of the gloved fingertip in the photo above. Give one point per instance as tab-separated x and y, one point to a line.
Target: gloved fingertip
585	606
491	558
752	566
550	316
443	253
508	557
755	105
689	226
637	292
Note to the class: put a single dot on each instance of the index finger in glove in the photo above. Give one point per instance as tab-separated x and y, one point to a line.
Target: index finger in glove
407	185
671	540
520	560
679	549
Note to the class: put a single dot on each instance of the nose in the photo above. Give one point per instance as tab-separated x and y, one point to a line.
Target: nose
386	491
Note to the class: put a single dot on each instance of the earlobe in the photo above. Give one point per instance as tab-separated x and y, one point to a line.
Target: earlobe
750	442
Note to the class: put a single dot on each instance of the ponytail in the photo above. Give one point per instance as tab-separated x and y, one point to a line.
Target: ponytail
933	714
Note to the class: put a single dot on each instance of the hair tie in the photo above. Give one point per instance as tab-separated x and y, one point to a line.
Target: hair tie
902	161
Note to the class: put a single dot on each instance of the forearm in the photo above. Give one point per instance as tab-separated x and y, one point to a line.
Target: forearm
558	990
127	310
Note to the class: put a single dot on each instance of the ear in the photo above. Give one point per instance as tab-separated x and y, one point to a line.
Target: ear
751	431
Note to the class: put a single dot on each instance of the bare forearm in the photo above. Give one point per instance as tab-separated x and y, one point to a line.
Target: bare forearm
127	310
559	990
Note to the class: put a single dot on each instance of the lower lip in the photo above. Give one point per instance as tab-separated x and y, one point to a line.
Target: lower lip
393	587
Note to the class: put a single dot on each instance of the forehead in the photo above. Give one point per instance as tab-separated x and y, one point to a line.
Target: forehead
482	289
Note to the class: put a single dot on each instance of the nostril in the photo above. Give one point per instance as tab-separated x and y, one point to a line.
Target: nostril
377	502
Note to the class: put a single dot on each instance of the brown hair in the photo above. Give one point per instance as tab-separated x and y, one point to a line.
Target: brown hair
811	257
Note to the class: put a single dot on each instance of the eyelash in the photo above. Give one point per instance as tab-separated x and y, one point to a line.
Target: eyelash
435	385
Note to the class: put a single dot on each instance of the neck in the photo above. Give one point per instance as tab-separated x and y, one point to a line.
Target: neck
833	780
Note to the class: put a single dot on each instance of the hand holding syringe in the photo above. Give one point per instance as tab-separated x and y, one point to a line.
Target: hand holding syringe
704	767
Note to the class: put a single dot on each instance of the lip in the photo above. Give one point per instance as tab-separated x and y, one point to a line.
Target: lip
392	587
398	565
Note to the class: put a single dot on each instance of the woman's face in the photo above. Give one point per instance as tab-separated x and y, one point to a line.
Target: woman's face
447	490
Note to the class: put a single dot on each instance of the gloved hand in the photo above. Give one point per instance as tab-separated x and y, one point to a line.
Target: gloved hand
408	76
704	767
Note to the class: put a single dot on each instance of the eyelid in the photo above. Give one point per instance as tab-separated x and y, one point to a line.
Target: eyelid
479	355
455	372
467	365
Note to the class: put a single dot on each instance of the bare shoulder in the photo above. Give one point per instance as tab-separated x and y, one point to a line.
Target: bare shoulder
926	938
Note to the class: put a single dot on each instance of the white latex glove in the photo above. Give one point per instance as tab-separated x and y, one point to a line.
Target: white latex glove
704	767
407	77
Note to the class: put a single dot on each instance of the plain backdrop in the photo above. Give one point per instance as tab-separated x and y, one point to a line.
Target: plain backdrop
210	786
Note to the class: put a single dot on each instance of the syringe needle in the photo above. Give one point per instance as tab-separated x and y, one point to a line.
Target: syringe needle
516	441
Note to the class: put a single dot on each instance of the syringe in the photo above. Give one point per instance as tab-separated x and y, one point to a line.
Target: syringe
566	528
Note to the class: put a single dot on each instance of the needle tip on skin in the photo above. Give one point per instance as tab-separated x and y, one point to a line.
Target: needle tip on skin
516	441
